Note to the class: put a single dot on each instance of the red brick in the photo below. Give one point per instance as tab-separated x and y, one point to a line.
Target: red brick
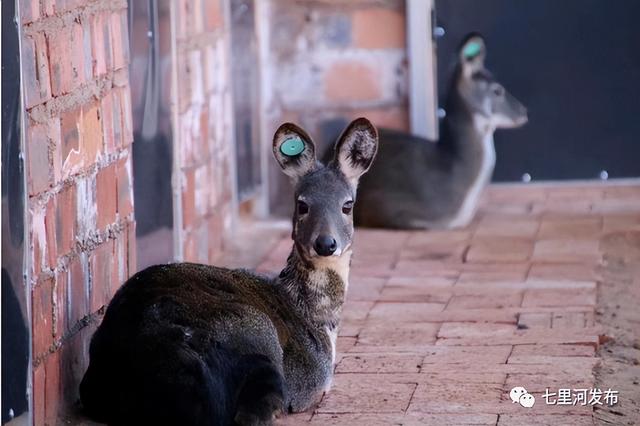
367	25
78	289
568	320
121	267
101	43
212	15
38	240
70	127
566	251
404	312
410	336
127	123
553	350
215	236
55	142
39	395
560	297
352	392
52	389
524	337
507	226
452	330
91	136
426	268
131	248
29	11
104	272
466	355
42	320
118	135
466	398
119	40
87	207
571	227
529	320
621	222
412	292
501	250
406	419
50	230
493	300
365	288
67	43
352	82
190	250
107	117
66	219
60	309
39	166
35	70
125	188
107	196
49	7
188	199
546	420
379	363
561	272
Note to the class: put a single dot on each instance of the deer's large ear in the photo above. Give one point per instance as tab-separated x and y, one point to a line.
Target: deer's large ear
294	151
356	148
472	53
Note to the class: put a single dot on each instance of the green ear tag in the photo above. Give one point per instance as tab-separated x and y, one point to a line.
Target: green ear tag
471	49
292	147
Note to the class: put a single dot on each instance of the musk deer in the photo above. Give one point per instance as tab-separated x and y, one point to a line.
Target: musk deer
415	183
192	344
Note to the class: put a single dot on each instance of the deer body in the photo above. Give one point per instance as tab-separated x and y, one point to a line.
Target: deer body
417	183
192	344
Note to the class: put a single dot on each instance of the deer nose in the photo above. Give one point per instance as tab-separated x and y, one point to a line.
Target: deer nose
325	245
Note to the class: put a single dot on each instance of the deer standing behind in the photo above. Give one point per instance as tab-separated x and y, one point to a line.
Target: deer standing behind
192	344
415	183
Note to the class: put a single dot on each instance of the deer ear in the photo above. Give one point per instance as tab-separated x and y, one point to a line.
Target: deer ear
356	148
472	53
294	151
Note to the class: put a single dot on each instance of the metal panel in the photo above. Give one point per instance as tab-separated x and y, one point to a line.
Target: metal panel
15	306
150	74
574	63
245	96
422	69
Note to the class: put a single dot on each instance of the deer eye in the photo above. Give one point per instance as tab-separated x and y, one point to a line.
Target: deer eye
302	207
347	207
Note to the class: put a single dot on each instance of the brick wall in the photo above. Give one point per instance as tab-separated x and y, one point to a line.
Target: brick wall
204	124
80	205
330	61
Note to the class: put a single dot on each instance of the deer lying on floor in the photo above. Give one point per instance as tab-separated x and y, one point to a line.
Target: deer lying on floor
415	183
191	344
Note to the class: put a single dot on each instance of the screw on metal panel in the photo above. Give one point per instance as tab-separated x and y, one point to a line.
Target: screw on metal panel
442	113
604	175
526	178
439	32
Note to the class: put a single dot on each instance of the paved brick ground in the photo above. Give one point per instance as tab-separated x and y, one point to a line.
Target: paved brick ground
439	326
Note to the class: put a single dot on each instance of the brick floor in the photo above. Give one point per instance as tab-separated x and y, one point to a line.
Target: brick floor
440	325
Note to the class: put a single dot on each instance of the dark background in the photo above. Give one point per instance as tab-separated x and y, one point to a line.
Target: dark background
575	64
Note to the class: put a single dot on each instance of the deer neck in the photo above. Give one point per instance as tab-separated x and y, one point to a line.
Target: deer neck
317	286
468	138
